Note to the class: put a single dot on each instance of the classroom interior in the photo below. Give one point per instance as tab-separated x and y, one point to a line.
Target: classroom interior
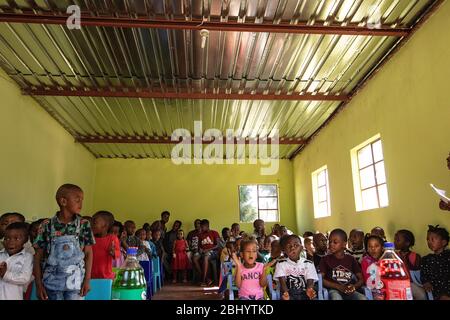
331	92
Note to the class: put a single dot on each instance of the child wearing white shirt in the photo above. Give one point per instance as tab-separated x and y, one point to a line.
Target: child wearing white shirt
296	274
16	264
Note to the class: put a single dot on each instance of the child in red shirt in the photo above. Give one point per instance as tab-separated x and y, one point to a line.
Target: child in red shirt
106	247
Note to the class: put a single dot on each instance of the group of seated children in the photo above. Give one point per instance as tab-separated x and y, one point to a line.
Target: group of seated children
61	254
344	264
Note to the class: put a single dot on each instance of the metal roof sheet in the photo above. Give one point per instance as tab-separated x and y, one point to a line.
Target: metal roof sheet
98	57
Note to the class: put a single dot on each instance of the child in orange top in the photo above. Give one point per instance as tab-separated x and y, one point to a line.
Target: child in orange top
180	261
106	247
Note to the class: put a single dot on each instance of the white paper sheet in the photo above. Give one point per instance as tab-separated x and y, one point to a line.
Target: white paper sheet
441	194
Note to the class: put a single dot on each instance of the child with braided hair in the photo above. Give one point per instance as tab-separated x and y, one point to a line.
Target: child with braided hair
435	271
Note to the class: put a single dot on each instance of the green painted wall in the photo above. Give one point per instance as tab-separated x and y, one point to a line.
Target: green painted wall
407	103
142	189
37	156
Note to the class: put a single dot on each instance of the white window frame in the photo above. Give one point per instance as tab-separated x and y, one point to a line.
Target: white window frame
315	190
258	198
357	177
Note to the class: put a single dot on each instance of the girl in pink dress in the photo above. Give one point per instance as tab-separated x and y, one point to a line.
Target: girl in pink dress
180	261
250	276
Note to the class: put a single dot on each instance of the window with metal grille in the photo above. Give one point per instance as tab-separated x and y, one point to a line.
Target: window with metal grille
321	193
258	201
369	175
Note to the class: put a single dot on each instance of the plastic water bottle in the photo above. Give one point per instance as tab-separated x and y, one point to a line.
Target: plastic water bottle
395	279
129	283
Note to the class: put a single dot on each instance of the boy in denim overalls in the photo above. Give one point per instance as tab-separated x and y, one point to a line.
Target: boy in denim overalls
63	259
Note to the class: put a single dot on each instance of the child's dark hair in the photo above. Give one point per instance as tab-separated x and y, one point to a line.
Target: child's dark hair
204	222
146	226
409	236
308	234
118	224
180	230
284	240
23	226
274	243
138	232
378	238
248	241
128	222
66	189
234	225
165	213
108	216
224	233
340	233
441	232
9	214
179	222
230	243
36	223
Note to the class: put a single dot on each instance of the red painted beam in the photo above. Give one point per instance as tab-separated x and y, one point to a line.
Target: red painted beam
108	21
167	140
121	93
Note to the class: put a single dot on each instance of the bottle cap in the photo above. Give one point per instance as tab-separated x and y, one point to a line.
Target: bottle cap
132	250
389	245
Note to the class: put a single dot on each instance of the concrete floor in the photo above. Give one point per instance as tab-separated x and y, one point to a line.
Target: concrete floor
182	291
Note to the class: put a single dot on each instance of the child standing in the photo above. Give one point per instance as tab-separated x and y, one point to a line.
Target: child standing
16	265
339	269
404	240
250	276
146	253
180	261
151	245
374	251
156	239
131	240
106	247
296	275
118	231
435	272
65	241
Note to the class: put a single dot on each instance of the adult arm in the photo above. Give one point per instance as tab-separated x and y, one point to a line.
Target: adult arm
444	206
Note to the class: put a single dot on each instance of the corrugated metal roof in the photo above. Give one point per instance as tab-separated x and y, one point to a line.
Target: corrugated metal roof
41	55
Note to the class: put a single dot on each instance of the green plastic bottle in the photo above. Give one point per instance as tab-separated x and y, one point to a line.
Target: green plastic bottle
129	283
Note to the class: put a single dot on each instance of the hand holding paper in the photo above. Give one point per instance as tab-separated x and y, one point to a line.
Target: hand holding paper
441	194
